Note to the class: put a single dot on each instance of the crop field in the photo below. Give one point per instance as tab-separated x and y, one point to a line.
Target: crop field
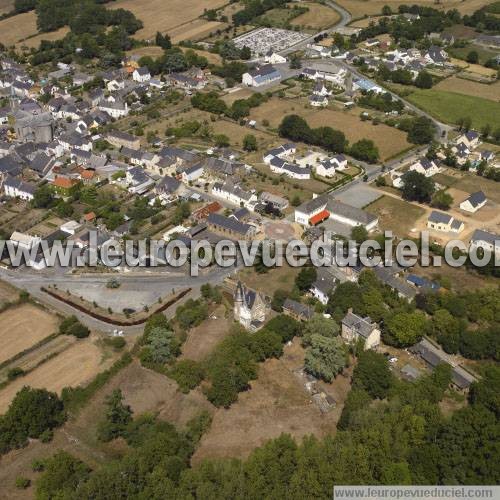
360	8
318	17
276	403
474	89
159	15
75	366
23	326
449	107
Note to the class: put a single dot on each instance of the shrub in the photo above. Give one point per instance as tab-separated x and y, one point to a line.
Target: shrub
188	374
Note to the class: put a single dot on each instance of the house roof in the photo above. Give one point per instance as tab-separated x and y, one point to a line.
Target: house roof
228	223
362	326
480	235
440	218
319	217
64	182
298	308
477	198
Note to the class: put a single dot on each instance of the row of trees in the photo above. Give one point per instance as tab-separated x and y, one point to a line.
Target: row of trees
239	109
295	128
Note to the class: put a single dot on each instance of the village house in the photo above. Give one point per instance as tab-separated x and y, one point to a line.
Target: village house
470	139
115	109
234	194
297	311
15	188
485	240
123	139
318	101
141	75
250	307
276	201
230	227
63	185
323	286
274	58
356	328
263	75
282	167
474	202
192	173
440	221
425	166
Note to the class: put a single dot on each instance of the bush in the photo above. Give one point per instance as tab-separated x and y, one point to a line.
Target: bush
116	342
22	483
72	326
188	374
15	372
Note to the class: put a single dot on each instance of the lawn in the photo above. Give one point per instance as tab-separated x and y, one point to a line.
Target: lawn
396	215
467	87
462	52
278	18
450	107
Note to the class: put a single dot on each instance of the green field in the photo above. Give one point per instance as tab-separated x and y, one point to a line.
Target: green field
462	52
449	107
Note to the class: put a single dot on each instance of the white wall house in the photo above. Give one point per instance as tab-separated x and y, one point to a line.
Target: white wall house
141	75
474	202
426	167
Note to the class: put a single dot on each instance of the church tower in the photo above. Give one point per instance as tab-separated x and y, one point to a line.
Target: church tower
238	300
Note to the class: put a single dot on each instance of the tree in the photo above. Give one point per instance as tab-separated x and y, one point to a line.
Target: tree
221	140
245	53
472	57
295	62
404	329
61	475
31	413
372	374
278	300
421	131
417	187
162	346
326	357
319	325
442	200
386	10
118	417
365	150
72	326
423	80
250	143
188	374
43	196
359	234
306	277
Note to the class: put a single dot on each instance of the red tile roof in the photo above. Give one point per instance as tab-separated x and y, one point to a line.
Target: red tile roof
316	219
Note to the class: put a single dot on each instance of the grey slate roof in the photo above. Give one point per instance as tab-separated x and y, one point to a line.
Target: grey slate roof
476	199
362	326
439	217
228	223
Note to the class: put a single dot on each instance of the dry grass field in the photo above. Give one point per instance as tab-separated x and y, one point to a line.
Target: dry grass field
397	215
318	17
389	141
202	339
236	133
6	6
280	277
487	91
276	403
23	326
196	29
76	365
8	293
159	15
211	58
14	29
360	8
151	51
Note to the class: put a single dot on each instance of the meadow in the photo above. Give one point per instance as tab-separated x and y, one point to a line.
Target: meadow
449	107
